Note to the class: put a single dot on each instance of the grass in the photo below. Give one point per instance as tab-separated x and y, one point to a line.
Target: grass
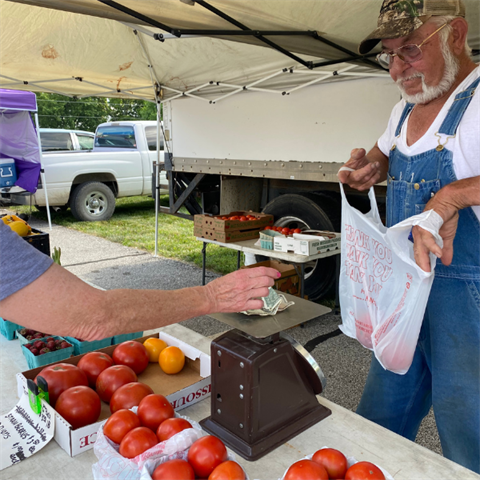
133	225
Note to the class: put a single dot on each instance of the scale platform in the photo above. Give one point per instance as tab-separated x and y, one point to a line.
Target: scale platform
264	384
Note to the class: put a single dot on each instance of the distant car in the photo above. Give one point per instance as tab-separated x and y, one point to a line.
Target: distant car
63	140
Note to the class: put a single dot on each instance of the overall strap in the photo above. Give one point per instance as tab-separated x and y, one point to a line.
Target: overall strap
408	108
456	111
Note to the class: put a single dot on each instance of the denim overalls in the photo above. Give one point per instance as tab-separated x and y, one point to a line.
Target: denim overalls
445	371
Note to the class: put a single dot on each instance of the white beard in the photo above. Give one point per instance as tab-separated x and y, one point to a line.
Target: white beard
428	92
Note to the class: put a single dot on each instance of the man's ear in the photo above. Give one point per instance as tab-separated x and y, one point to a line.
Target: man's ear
459	35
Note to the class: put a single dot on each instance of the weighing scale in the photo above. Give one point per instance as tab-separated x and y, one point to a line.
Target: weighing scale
264	383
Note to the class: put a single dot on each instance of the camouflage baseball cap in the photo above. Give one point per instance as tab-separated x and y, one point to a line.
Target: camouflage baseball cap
399	18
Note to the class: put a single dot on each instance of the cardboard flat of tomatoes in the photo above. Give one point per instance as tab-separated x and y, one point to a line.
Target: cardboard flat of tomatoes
350	461
183	389
218	223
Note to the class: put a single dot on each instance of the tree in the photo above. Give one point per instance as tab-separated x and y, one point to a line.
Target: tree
58	111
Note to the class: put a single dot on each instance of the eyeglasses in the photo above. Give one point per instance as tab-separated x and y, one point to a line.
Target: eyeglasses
408	53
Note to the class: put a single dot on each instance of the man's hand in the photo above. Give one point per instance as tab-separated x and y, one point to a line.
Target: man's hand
366	173
241	290
424	242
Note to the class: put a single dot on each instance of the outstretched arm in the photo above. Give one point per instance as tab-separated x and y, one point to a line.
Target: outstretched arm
59	303
446	202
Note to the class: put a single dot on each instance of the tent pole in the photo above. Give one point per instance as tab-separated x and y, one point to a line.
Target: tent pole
42	173
157	179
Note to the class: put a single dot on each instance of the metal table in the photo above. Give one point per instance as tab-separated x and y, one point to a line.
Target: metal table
248	246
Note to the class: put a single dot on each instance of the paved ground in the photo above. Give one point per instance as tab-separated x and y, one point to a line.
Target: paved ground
109	265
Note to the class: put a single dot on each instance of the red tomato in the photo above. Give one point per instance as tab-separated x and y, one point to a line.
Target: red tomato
364	471
224	218
286	231
112	378
170	427
174	470
137	441
228	470
129	395
119	424
306	470
243	218
268	228
234	217
79	406
205	454
153	410
93	364
132	354
334	462
60	377
297	230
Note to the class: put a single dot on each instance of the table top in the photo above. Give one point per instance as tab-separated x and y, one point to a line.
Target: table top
248	246
343	429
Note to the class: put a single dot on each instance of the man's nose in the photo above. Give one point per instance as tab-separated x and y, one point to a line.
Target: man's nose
397	65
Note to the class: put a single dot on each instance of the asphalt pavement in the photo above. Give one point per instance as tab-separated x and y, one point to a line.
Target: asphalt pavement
109	265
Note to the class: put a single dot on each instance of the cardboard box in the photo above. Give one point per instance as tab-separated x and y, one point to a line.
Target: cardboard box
189	386
210	222
225	237
289	282
309	242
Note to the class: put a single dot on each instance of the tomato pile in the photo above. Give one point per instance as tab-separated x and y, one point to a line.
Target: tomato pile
284	230
331	464
76	391
241	218
50	344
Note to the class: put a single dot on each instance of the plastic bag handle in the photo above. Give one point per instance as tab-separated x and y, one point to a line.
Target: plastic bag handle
373	201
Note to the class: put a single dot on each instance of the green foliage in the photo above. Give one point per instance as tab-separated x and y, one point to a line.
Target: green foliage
58	111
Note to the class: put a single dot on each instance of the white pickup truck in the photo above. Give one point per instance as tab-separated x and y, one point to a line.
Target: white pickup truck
119	165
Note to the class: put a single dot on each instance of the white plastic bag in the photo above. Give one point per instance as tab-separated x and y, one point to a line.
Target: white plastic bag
383	292
112	466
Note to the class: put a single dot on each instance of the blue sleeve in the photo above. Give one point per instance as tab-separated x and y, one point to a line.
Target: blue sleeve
20	263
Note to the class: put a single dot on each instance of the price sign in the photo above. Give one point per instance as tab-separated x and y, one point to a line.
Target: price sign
23	432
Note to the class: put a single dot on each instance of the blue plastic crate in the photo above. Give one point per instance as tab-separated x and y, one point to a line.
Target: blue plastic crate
80	347
8	329
24	340
126	336
35	361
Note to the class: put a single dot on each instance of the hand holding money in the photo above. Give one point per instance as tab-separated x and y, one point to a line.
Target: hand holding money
272	304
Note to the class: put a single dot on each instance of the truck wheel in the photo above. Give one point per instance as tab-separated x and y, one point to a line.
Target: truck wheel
316	212
92	202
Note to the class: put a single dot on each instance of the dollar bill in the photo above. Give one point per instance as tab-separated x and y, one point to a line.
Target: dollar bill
272	304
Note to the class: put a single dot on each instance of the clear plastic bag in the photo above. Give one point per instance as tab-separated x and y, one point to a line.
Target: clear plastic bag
383	292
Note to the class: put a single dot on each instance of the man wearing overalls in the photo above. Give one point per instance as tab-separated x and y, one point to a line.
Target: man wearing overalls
430	157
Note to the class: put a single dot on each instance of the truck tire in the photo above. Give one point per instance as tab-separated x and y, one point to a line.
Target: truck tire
310	211
92	202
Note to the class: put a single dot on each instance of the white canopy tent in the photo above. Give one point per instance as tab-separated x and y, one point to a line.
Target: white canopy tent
104	48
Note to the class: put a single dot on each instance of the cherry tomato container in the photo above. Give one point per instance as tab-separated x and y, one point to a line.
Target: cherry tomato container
35	361
124	337
80	346
8	329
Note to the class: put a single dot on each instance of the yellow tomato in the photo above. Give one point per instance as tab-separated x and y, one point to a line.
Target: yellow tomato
154	346
171	360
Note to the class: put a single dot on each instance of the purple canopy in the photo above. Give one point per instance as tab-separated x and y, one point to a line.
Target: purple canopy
18	138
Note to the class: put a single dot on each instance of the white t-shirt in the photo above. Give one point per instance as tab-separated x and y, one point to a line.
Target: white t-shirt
465	145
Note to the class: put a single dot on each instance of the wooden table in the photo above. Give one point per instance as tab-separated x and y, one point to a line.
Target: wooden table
344	430
248	246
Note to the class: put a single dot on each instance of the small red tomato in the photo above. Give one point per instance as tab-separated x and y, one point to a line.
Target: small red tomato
306	470
129	395
205	454
242	218
364	471
112	378
334	462
137	441
285	231
79	406
228	470
174	470
267	228
297	230
224	218
132	354
93	364
170	427
233	217
119	424
153	410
